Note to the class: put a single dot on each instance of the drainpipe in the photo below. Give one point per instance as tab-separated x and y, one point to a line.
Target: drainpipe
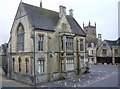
78	61
34	58
34	74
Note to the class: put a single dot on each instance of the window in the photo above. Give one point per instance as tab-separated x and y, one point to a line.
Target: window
62	43
104	51
92	45
62	65
81	45
20	38
116	51
40	42
41	64
64	27
91	52
104	45
69	43
26	62
20	61
13	64
81	61
69	64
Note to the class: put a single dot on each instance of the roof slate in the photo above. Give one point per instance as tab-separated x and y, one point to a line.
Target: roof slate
111	43
47	19
41	18
76	29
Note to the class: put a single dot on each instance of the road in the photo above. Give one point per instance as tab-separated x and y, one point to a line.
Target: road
99	76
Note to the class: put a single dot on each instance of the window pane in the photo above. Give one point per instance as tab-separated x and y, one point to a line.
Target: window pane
81	45
41	66
69	64
40	42
69	42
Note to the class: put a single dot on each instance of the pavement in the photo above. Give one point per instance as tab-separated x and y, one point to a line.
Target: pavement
99	76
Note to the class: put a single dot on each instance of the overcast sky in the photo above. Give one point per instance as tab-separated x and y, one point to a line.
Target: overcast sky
103	12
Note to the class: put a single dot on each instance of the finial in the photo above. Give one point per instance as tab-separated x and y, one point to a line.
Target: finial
83	24
89	22
95	24
41	3
21	1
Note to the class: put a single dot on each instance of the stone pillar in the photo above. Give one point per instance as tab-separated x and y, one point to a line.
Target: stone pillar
113	56
95	56
9	61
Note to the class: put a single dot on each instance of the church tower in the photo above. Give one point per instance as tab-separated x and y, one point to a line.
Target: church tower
90	30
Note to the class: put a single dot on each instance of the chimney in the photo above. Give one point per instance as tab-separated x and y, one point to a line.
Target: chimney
99	36
99	39
62	10
71	12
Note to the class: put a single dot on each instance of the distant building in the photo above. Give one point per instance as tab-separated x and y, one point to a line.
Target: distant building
92	41
3	54
45	45
109	52
3	57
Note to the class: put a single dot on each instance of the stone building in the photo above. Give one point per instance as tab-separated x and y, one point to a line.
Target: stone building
109	52
45	45
92	41
3	58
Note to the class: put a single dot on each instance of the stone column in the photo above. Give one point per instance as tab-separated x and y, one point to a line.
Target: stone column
113	56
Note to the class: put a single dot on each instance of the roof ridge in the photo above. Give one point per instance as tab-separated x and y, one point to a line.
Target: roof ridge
40	7
111	40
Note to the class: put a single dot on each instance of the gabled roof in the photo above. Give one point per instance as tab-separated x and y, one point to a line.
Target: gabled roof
41	18
47	19
76	29
111	43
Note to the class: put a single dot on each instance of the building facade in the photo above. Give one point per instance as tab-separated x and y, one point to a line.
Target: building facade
3	58
45	45
108	52
92	42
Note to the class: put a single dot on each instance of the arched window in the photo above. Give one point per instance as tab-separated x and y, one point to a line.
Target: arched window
20	61
13	64
26	62
20	37
92	45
